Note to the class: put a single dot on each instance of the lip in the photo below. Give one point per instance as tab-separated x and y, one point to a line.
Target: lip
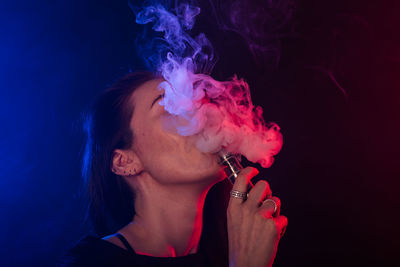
218	158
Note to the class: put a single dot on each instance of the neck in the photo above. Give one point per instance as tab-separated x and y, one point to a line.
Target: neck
168	220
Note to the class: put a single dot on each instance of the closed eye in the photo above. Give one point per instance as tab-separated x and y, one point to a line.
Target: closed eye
157	98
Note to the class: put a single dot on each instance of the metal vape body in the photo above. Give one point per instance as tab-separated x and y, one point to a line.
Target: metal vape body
233	166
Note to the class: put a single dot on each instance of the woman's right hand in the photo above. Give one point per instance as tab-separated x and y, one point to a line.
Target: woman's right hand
254	229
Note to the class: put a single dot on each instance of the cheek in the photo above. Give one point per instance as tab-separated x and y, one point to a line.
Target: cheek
156	148
152	142
172	158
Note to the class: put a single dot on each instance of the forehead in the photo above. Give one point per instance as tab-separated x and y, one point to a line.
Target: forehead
145	93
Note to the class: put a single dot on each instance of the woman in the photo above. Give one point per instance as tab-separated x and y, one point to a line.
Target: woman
147	191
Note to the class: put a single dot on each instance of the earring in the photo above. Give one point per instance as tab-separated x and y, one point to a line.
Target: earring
134	172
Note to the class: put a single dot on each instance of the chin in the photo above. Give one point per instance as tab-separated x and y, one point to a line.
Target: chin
203	168
214	175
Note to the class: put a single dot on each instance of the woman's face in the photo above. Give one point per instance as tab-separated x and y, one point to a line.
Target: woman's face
167	157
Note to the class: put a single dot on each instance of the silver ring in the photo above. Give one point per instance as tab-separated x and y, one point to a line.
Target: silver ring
275	205
238	194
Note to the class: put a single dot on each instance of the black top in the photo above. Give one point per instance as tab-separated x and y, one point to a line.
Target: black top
94	251
125	242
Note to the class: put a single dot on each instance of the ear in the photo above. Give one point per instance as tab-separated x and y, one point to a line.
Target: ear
125	163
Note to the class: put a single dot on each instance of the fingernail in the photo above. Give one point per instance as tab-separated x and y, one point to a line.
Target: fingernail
256	171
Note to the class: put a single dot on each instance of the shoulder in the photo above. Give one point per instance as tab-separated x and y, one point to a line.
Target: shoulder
91	250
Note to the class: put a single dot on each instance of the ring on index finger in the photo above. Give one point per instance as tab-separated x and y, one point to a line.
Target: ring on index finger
238	194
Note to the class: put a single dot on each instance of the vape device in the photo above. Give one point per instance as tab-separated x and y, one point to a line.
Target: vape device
233	166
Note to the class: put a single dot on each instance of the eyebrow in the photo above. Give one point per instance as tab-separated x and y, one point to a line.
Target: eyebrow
155	100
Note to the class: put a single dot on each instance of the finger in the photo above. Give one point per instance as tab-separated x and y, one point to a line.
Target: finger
258	194
241	183
281	223
271	207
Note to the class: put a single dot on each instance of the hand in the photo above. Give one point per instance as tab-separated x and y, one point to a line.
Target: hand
254	229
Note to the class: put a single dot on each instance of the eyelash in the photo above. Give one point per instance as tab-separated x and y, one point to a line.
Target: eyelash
158	98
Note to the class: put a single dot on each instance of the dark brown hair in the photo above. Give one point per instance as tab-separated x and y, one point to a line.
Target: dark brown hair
106	124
